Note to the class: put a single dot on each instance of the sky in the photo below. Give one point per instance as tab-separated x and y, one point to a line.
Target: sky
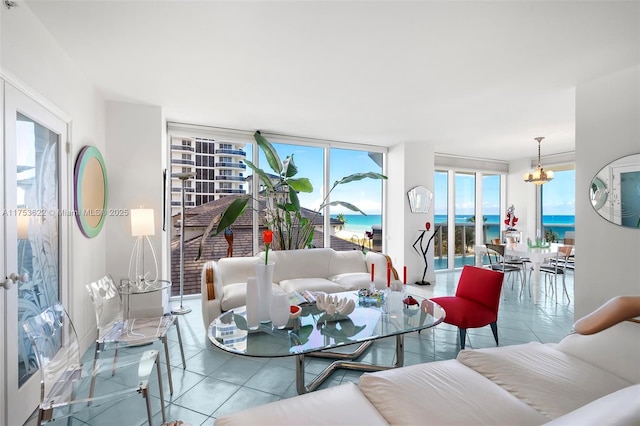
558	195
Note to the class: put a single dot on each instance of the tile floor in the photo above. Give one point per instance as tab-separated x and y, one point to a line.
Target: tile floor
216	383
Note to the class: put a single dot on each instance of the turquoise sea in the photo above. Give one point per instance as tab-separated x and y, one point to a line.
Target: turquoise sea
358	224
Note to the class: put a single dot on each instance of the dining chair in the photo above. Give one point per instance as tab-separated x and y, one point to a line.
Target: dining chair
115	330
557	266
67	385
475	303
505	267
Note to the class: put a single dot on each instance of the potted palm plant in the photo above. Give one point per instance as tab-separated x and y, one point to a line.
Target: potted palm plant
283	215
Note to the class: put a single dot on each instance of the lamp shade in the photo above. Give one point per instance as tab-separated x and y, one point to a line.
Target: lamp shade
142	222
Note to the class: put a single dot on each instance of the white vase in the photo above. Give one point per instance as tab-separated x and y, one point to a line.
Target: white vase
280	310
253	303
264	275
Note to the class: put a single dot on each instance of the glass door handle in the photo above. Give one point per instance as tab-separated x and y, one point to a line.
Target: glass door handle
14	278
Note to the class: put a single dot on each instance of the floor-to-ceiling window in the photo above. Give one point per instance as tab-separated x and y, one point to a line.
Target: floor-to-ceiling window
366	194
468	198
322	162
558	205
441	218
465	207
490	207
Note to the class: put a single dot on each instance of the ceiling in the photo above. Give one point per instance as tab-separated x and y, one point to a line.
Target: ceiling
478	79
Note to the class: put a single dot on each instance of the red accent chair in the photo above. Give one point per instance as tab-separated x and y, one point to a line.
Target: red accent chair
475	303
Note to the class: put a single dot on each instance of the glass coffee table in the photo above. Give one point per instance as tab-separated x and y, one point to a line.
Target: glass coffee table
314	333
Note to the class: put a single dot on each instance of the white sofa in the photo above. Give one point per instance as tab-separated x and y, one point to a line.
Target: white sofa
224	283
583	380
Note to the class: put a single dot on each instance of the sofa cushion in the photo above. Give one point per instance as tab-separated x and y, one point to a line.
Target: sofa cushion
549	380
347	261
307	263
620	408
236	269
315	284
338	405
352	280
602	348
444	393
235	295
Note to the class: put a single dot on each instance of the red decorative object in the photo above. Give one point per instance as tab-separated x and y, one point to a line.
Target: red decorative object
373	267
410	300
511	218
427	225
267	237
405	275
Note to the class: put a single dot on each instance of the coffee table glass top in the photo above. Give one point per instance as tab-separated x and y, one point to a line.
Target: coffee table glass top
314	330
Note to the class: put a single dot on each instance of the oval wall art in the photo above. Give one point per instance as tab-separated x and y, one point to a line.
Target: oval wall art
91	191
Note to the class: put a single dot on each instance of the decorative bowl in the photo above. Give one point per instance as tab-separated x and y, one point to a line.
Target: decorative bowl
295	311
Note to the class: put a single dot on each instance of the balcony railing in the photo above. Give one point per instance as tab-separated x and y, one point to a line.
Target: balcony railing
230	191
231	152
231	178
180	161
183	148
465	241
232	165
178	189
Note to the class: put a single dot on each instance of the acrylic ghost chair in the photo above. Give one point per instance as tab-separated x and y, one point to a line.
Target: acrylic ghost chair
475	303
67	386
116	331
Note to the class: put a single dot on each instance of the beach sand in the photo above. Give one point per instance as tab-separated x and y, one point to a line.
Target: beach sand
349	236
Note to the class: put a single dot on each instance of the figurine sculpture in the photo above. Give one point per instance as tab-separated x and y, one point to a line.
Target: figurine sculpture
511	218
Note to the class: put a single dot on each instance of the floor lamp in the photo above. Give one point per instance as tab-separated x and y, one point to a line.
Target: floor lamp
181	310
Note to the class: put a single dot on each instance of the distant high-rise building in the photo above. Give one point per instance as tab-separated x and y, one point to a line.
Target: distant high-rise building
218	166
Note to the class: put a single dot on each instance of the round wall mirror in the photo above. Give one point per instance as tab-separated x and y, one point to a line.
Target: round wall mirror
615	191
91	194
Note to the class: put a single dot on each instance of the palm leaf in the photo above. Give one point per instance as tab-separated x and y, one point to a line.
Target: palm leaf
232	213
261	175
301	184
294	200
343	204
289	167
359	176
269	152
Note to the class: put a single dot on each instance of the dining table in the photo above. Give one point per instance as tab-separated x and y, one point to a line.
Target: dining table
537	256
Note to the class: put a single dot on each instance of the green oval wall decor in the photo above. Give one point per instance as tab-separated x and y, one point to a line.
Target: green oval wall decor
91	191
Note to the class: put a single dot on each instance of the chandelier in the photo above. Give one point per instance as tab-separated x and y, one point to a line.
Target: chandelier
538	176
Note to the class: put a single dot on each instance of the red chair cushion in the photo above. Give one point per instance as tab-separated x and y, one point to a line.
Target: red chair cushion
465	313
477	298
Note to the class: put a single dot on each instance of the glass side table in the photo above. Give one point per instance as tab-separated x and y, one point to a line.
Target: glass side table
128	288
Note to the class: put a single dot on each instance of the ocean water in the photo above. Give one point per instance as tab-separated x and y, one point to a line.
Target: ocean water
559	224
358	223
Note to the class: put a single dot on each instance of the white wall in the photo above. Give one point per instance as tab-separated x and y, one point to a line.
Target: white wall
134	136
410	165
607	128
30	54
